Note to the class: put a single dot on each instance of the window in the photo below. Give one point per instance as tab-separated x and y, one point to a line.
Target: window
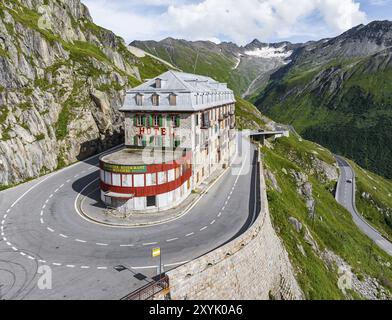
197	119
139	99
162	177
108	178
175	121
138	180
126	180
116	179
171	175
151	201
155	100
156	121
102	175
151	179
139	120
173	99
158	83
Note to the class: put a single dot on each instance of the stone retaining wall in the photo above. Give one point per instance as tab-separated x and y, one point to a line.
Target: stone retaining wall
253	266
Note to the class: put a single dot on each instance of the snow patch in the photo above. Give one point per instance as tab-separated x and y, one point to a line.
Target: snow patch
270	52
237	64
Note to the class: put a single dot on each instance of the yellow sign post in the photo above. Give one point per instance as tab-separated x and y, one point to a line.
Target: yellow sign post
156	252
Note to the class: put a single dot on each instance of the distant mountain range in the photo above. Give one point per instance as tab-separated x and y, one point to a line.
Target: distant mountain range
335	91
245	68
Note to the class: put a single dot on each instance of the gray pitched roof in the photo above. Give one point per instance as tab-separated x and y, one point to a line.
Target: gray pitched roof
186	86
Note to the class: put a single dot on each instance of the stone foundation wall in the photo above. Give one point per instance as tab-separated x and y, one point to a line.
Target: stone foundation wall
253	266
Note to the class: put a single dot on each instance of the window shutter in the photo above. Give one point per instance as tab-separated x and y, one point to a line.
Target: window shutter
150	120
144	120
144	142
178	121
151	140
160	121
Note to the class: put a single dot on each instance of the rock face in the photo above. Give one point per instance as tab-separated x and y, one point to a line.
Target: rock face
62	80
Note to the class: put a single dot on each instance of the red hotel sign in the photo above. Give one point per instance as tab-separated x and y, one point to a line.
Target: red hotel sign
149	131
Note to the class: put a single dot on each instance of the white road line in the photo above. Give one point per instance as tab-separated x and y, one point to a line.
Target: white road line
5	216
224	207
51	196
42	221
62	186
9	244
70	266
101	244
15	249
219	214
44	206
22	253
47	200
63	236
150	243
31	258
85	267
190	234
55	191
8	211
171	240
50	229
126	245
57	264
4	238
102	268
213	221
204	228
42	213
68	181
82	241
42	261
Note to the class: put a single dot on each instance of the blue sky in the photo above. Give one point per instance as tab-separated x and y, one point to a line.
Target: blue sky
234	20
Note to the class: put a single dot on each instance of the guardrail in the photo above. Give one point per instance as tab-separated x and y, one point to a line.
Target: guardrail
149	290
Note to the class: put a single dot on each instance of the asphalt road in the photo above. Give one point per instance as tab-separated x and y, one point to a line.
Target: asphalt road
40	227
346	196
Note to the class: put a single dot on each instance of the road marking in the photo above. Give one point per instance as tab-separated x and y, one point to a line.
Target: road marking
70	266
55	191
102	268
42	221
171	240
62	186
42	213
9	244
68	181
63	235
150	243
213	221
101	244
42	261
5	216
82	241
204	228
31	258
57	264
51	196
126	245
50	229
219	214
22	253
224	207
190	234
85	267
9	210
15	249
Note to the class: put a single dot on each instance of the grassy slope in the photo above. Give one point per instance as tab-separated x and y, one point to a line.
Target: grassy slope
333	227
359	109
247	116
377	209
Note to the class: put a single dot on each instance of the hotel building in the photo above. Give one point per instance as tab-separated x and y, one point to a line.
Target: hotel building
179	129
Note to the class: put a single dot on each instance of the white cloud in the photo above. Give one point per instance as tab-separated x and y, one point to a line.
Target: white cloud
239	21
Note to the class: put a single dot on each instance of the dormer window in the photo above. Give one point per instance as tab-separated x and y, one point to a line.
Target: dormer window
158	83
139	99
155	100
173	99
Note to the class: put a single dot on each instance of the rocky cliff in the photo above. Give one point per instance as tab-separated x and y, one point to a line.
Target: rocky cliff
62	80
